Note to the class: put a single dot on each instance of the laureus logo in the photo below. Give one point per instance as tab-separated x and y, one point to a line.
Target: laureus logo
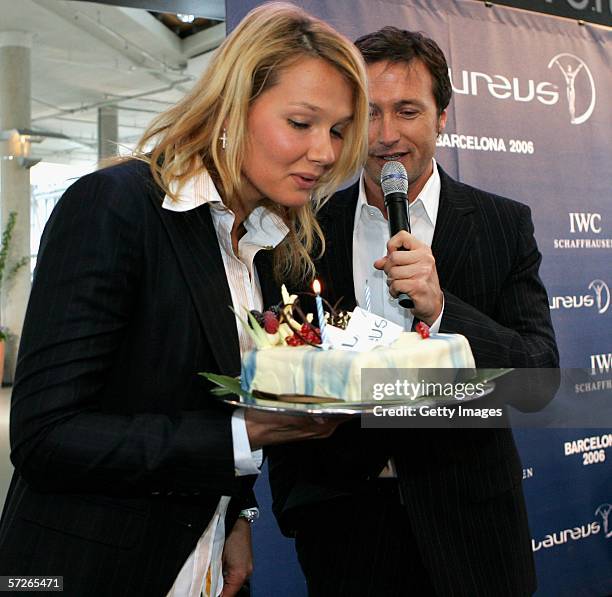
574	68
598	298
602	295
604	510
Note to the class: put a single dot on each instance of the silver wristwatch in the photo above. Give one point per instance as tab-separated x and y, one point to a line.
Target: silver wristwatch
249	514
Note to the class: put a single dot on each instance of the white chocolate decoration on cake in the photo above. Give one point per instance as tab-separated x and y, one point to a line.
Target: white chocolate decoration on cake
336	374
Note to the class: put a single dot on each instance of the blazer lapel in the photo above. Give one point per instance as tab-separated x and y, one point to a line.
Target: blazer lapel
454	232
336	267
194	240
270	290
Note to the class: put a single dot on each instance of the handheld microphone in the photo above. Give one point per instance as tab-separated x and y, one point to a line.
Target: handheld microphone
394	183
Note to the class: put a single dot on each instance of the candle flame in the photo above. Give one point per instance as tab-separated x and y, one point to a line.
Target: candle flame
316	286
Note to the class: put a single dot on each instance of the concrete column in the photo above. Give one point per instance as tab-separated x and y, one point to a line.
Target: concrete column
15	48
108	132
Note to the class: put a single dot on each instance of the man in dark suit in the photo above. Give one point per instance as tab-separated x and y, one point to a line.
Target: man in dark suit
450	519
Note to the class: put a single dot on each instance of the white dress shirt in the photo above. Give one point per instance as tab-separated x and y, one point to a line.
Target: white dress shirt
370	236
263	229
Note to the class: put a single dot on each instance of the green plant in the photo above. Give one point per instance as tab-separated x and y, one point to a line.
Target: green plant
5	244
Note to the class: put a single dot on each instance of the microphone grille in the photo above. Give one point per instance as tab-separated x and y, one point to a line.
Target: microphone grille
394	178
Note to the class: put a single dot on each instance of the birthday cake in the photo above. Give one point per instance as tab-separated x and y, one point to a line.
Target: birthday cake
290	362
336	374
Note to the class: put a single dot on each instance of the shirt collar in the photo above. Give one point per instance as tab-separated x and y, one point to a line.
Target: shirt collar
197	191
429	195
265	228
362	201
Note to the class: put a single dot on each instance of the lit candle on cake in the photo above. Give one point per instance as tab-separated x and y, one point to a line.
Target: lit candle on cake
316	286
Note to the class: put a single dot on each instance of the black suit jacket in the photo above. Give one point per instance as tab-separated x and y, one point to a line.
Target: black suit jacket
461	488
121	454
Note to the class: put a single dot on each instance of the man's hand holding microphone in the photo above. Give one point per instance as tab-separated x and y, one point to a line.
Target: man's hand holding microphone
409	264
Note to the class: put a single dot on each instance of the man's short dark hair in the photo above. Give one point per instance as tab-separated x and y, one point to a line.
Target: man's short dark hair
398	45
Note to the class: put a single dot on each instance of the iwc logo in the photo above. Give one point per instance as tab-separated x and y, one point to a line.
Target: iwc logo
575	70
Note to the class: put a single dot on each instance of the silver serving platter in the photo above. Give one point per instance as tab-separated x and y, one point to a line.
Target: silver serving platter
343	409
230	392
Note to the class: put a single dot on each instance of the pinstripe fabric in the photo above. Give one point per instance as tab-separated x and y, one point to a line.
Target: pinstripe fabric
463	499
379	542
263	228
121	454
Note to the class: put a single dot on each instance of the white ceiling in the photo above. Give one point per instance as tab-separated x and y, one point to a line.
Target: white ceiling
87	55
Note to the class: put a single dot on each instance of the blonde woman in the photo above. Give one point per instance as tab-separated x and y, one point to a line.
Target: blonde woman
128	473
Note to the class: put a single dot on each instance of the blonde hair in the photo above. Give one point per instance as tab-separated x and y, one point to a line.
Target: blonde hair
270	38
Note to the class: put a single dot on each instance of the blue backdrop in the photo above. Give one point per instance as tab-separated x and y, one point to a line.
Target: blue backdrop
530	119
